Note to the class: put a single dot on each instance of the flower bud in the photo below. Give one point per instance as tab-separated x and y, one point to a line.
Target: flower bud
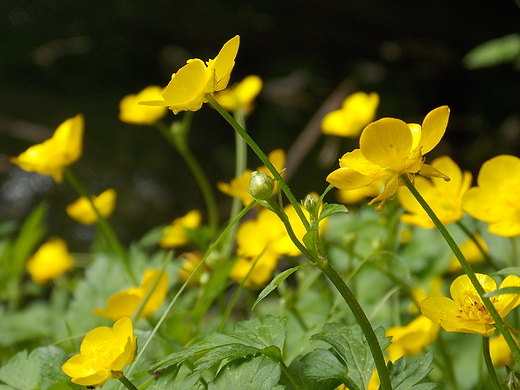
309	203
261	186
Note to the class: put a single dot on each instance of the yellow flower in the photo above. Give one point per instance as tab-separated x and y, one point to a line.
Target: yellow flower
51	260
444	197
412	338
466	312
238	187
176	235
388	148
125	303
358	194
241	95
495	199
470	251
500	352
131	112
54	154
83	212
103	354
357	111
187	88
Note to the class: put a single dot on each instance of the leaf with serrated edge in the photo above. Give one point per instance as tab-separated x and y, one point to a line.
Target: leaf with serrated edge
332	208
261	333
22	371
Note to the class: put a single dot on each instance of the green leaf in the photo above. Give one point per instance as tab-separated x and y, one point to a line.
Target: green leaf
502	291
229	352
22	371
255	374
305	382
262	333
349	344
407	378
276	282
322	364
51	360
494	52
32	323
332	208
508	271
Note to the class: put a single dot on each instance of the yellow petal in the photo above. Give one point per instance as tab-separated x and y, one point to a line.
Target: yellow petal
498	172
348	179
433	128
507	302
224	62
462	285
387	143
131	112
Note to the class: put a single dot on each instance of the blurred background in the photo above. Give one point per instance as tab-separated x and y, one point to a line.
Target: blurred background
59	58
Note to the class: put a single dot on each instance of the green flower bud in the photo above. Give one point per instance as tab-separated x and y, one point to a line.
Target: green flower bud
261	186
309	203
512	380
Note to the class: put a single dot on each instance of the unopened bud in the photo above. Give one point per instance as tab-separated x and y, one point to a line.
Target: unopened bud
261	186
309	203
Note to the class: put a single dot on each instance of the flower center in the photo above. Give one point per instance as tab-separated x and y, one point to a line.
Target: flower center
471	307
102	355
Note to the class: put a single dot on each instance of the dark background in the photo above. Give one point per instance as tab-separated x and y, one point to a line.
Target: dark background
59	58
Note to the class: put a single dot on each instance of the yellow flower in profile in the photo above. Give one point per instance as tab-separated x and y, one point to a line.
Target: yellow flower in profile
388	148
175	235
466	312
131	112
103	354
125	303
51	260
54	154
187	88
444	197
471	252
358	110
83	212
500	352
239	186
412	338
495	199
241	95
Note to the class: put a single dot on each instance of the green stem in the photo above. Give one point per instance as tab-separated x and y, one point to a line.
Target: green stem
263	157
102	223
129	385
176	136
514	252
290	376
489	364
499	322
447	362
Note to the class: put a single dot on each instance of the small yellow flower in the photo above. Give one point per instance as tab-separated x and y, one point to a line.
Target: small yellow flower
388	148
125	303
187	88
466	312
131	112
83	212
471	252
190	261
238	187
358	110
103	354
175	235
500	352
54	154
444	197
241	95
51	260
495	199
412	338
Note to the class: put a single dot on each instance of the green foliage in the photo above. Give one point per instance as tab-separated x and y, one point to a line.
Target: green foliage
495	52
408	378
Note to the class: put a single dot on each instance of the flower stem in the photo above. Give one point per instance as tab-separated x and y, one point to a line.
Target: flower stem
107	230
129	385
499	322
483	251
176	135
489	364
259	152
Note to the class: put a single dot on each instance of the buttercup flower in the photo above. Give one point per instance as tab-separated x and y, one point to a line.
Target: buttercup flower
51	260
358	194
131	112
103	354
357	111
500	352
125	303
83	212
495	199
466	312
388	148
412	338
54	154
187	88
241	95
176	235
471	253
239	186
444	197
